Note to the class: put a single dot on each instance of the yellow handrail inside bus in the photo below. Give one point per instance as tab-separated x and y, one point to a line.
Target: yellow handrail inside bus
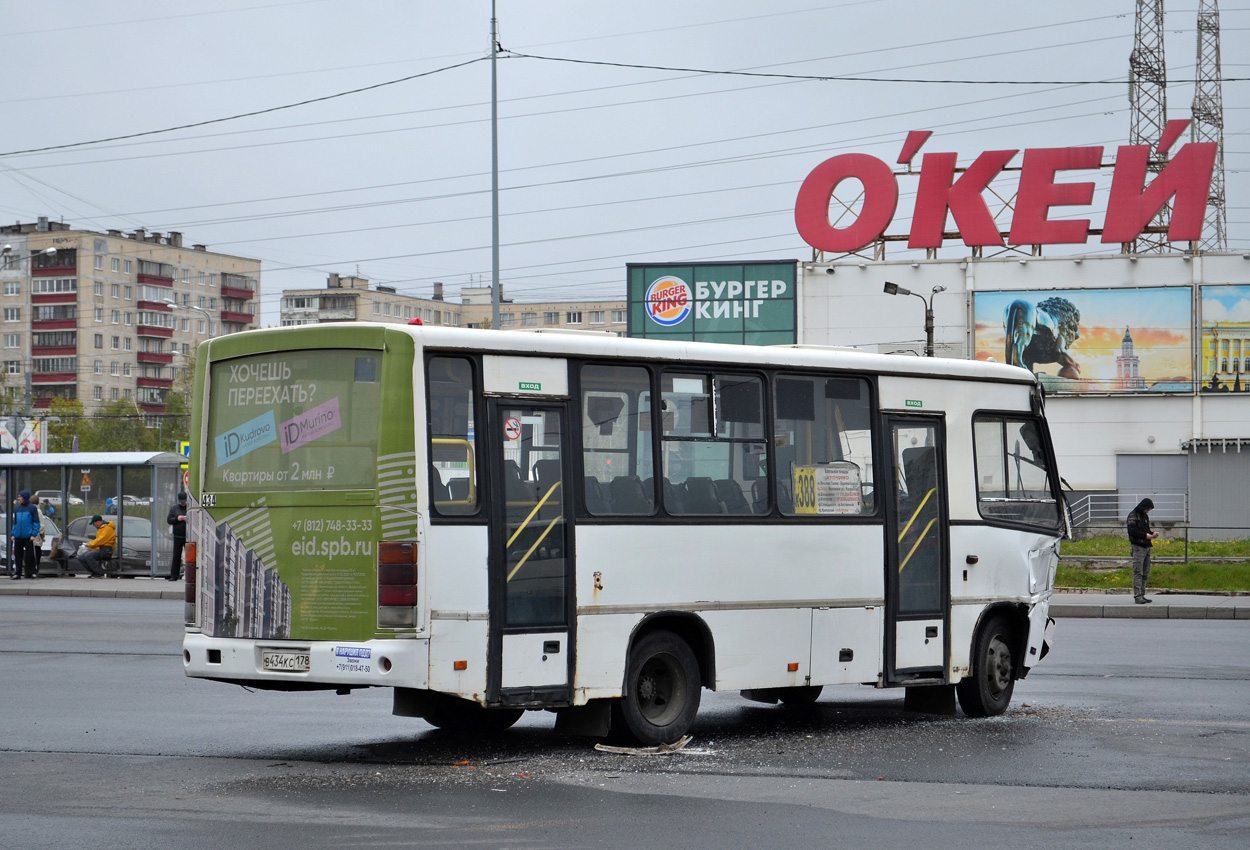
920	537
540	539
468	459
526	521
919	507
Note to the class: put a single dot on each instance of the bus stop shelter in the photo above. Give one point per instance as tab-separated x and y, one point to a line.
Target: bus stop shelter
134	490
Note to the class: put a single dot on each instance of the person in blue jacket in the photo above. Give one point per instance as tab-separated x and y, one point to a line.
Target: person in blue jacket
25	529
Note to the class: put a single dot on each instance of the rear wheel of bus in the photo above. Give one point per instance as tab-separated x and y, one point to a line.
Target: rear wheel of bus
662	691
986	691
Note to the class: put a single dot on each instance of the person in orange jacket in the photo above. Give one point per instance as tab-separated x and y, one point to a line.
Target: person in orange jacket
100	549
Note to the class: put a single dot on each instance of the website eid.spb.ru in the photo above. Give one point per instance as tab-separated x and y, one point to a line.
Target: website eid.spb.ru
331	549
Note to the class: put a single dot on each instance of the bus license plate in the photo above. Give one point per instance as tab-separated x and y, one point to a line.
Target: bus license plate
284	661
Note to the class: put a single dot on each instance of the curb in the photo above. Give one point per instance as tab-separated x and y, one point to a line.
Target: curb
93	592
1155	611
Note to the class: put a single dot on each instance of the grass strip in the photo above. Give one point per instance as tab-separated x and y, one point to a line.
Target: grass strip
1112	546
1234	576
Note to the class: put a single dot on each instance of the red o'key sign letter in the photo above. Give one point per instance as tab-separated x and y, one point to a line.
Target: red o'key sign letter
811	209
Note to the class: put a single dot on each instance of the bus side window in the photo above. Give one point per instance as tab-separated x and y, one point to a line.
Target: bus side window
453	458
1013	481
822	432
616	441
714	452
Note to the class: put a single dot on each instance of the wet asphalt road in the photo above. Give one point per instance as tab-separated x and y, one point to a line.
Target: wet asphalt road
1132	733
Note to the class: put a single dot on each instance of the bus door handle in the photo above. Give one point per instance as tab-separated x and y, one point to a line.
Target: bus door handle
551	647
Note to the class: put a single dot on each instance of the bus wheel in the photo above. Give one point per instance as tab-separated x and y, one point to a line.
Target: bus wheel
987	691
802	695
460	715
662	690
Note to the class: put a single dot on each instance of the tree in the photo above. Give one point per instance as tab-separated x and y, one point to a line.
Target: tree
117	426
61	434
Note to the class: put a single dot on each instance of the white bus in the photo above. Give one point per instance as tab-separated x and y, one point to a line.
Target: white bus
493	522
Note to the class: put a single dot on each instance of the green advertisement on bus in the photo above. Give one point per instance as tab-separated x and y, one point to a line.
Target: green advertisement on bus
302	476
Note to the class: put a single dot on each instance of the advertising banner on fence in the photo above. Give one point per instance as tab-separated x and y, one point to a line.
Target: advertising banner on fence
739	303
1225	357
1091	340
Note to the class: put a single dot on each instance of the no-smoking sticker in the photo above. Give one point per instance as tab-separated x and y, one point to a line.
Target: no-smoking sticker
512	428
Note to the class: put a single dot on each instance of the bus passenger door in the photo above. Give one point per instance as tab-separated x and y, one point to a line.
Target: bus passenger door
531	562
917	547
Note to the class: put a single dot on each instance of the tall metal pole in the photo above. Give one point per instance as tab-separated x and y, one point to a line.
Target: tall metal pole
494	173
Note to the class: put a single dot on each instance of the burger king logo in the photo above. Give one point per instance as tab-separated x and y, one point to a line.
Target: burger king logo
668	301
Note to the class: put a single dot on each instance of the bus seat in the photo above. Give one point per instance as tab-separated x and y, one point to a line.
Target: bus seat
701	497
674	498
516	487
597	501
730	494
458	488
547	471
759	496
785	496
441	491
629	496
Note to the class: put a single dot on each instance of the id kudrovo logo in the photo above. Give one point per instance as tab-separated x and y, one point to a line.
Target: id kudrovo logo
669	301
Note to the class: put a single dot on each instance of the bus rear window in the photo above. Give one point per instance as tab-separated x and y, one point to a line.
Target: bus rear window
294	420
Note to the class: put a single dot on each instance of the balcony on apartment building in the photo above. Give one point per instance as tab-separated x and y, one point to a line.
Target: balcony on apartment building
154	356
238	286
158	322
57	317
160	274
163	383
63	262
237	317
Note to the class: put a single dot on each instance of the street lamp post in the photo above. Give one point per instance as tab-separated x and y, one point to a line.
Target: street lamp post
895	289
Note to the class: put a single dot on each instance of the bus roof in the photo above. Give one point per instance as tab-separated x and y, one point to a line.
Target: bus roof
606	345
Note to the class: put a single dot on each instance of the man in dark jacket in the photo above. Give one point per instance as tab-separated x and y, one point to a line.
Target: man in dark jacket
22	554
177	519
1139	538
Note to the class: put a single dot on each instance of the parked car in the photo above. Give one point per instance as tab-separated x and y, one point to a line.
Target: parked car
135	500
136	554
53	497
53	556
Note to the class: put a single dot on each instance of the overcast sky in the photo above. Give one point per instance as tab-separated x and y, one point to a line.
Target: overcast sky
599	166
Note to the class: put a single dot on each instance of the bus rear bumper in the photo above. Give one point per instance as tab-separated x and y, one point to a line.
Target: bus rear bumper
300	665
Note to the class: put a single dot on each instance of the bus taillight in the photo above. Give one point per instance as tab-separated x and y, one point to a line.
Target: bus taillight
397	584
188	592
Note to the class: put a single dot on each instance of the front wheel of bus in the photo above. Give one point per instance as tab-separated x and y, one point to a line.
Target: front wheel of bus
662	690
986	692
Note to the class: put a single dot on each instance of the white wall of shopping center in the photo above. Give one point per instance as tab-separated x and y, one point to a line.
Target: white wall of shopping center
843	303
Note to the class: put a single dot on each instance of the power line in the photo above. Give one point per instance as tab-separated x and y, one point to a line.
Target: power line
246	114
831	77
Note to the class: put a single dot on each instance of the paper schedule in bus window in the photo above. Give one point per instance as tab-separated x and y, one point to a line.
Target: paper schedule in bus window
828	488
289	420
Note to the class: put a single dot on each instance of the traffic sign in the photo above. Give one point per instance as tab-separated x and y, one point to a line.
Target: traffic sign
86	483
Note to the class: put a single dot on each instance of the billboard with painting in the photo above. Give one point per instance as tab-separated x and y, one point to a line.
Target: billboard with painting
1225	356
1091	341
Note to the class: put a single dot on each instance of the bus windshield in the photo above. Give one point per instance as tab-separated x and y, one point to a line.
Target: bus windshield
288	420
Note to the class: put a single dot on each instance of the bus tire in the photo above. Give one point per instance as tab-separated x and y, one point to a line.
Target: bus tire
801	695
662	691
986	691
460	715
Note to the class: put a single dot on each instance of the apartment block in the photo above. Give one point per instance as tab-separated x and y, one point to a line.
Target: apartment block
107	316
351	299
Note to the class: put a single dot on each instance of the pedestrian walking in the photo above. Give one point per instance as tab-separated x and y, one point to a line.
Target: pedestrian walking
177	519
1141	539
